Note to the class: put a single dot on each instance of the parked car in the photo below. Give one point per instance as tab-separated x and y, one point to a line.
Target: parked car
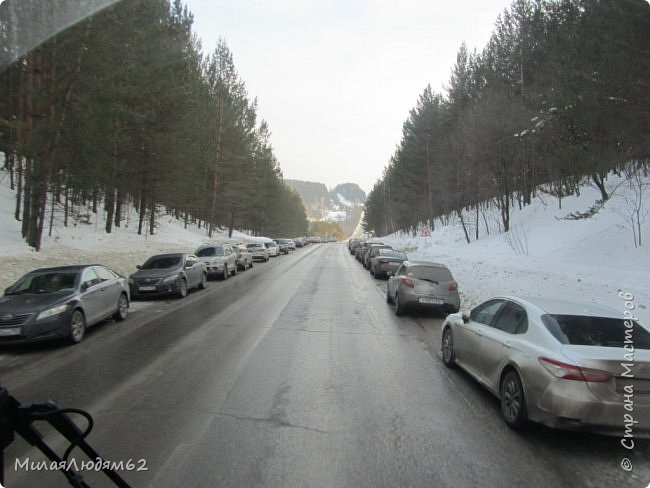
52	303
299	241
555	362
168	274
274	249
283	246
351	243
220	259
292	244
372	251
360	251
259	251
244	258
422	284
386	261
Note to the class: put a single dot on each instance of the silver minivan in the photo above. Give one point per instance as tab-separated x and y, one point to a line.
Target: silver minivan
220	259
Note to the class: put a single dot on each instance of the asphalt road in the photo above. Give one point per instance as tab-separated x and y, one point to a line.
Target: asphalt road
293	374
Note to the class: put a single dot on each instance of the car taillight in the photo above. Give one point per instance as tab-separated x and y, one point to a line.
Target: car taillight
570	372
383	261
453	286
408	283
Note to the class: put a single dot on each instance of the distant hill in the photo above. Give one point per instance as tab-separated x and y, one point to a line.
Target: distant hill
343	204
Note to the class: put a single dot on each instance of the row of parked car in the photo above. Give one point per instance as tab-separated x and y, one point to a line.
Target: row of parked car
411	284
62	302
557	362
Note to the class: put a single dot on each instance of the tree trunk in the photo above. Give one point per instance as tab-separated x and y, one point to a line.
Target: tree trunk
599	181
459	211
19	187
152	218
118	209
110	209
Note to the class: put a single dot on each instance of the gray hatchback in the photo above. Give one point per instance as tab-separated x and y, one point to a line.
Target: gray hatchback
422	284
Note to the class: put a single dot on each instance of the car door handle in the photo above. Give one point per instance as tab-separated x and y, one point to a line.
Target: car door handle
507	344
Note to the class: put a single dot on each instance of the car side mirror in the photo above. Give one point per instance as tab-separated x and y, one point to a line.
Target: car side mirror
389	274
138	266
465	316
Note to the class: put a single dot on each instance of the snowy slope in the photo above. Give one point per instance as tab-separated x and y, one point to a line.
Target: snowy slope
81	242
590	259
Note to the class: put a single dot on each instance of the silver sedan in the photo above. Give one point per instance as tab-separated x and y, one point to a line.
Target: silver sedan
563	364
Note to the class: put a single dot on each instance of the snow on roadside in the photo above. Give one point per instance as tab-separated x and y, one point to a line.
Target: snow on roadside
85	241
588	260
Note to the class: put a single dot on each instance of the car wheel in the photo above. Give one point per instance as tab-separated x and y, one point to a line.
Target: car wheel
204	281
388	298
122	308
77	326
226	273
182	288
372	271
397	306
448	356
513	402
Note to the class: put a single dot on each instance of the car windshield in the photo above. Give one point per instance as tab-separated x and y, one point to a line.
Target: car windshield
162	262
210	251
40	283
430	273
253	246
582	330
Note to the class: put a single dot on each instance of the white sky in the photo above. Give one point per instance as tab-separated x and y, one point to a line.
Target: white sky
336	79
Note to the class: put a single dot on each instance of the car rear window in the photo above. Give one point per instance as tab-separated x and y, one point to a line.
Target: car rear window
210	251
392	254
162	263
596	331
430	273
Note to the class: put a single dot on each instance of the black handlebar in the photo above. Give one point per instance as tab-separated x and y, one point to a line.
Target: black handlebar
19	418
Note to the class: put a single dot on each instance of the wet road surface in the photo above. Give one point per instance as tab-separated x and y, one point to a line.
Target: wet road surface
294	373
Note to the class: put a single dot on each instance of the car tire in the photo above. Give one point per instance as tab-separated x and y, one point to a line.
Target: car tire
513	401
388	298
77	326
448	355
226	273
204	281
397	306
122	308
182	288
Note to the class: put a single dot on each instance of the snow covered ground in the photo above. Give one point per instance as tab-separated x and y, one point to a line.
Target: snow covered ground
78	243
591	259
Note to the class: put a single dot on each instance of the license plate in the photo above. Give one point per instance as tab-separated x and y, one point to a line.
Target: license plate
10	332
431	301
147	288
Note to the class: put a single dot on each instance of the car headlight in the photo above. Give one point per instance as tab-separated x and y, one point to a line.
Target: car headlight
169	279
50	312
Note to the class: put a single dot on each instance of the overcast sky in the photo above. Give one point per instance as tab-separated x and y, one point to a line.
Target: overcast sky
336	79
